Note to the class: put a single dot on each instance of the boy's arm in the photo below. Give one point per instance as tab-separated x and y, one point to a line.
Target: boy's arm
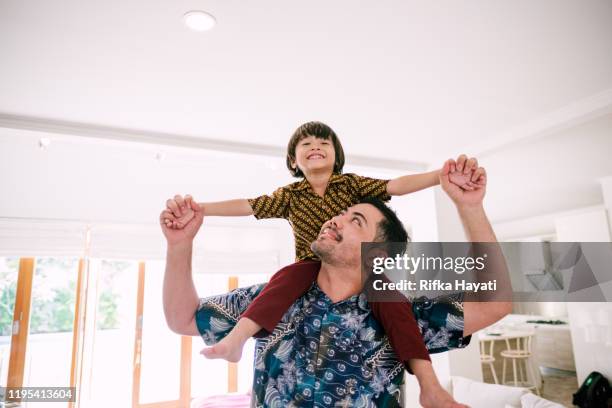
412	182
462	173
237	207
275	205
180	212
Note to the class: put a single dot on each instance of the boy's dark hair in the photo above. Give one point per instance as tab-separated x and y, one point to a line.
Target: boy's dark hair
390	230
320	131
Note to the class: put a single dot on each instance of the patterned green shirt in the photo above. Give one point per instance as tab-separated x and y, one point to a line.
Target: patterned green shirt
306	211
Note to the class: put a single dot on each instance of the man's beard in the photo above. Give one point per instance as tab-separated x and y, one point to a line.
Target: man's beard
322	252
328	255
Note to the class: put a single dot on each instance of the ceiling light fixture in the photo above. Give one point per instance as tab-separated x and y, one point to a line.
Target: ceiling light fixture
43	143
198	20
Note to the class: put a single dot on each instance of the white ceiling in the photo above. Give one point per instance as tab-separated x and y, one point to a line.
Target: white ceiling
403	80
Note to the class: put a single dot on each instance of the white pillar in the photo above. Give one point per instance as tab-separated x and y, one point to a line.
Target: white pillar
606	188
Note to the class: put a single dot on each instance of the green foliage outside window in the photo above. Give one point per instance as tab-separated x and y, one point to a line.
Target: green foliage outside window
54	295
9	268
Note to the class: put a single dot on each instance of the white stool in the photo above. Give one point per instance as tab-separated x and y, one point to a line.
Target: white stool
520	356
488	359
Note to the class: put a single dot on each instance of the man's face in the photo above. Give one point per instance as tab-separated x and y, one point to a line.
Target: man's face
339	241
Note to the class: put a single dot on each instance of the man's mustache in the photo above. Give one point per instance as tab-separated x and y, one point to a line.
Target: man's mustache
334	230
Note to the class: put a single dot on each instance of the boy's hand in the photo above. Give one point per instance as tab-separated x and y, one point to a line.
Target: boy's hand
460	196
463	173
187	233
179	211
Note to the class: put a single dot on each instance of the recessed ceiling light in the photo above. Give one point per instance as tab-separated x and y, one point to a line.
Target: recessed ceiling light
199	20
44	142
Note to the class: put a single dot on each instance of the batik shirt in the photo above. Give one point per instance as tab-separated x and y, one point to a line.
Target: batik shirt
325	354
306	211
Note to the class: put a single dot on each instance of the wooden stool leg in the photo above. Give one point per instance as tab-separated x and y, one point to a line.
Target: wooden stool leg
504	372
521	372
494	374
531	371
514	372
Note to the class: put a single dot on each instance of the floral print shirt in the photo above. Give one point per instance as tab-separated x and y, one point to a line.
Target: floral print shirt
325	354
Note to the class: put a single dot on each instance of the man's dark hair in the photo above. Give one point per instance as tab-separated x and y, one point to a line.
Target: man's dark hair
320	131
390	229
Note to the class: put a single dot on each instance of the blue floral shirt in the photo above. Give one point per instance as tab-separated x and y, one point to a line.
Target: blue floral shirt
325	354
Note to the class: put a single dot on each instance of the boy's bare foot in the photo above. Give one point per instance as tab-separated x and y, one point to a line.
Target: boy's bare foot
224	350
438	397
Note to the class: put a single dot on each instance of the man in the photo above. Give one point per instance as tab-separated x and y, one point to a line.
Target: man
328	350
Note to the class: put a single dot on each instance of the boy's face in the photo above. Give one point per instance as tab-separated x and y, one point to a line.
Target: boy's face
313	154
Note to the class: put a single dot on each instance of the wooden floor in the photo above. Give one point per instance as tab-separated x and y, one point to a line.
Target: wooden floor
558	386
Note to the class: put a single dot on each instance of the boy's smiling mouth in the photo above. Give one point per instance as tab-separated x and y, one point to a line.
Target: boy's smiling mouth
315	156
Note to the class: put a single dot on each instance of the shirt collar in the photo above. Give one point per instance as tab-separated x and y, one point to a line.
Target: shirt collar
358	301
304	184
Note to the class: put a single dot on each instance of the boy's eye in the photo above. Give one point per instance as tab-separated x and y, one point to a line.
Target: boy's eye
358	220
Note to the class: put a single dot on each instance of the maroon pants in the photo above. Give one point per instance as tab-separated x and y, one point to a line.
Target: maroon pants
294	280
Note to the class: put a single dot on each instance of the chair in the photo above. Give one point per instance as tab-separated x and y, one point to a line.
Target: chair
488	359
521	356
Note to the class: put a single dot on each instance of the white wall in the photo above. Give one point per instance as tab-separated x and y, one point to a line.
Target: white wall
590	323
554	173
117	189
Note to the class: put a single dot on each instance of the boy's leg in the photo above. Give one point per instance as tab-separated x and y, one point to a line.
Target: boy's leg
230	347
394	312
267	309
280	292
401	327
432	393
397	318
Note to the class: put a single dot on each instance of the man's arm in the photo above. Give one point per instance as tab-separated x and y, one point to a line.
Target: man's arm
186	314
482	313
180	299
179	295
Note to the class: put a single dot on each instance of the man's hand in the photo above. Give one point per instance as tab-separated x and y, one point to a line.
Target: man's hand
190	229
461	196
179	211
